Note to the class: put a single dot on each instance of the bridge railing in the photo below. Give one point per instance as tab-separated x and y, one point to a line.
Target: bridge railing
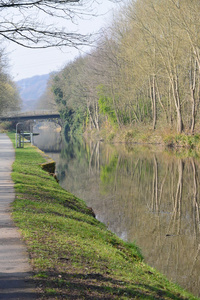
29	113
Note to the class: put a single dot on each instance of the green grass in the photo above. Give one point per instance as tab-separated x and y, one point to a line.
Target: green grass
73	255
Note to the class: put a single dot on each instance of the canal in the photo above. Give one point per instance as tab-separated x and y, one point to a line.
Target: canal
145	195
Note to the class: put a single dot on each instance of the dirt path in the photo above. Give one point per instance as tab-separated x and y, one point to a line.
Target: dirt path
14	267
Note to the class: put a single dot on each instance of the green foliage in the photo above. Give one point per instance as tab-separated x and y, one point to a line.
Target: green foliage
72	112
9	94
169	140
56	88
58	93
74	121
5	126
182	140
106	105
111	136
108	171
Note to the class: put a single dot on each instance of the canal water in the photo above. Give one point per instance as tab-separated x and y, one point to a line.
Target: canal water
145	195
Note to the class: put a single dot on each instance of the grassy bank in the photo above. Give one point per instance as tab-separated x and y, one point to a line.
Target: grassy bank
145	135
73	255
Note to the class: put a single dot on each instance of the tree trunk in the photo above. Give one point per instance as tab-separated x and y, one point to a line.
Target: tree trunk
175	91
192	91
153	100
193	111
91	118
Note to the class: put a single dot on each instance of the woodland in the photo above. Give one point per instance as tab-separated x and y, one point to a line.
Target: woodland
9	95
37	24
143	71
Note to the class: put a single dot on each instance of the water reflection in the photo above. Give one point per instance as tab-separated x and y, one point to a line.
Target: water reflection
142	195
49	139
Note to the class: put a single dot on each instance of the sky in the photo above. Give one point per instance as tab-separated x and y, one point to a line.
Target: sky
25	63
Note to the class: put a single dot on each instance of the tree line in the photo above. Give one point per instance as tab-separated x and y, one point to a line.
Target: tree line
9	94
144	70
38	24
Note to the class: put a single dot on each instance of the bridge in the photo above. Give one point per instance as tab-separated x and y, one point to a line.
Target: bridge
33	115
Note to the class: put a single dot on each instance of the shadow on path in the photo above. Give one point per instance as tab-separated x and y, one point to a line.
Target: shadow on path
16	286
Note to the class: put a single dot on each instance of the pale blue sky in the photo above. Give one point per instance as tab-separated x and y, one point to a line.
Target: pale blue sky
26	63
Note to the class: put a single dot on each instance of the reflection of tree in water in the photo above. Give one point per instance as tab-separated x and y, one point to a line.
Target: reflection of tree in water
49	138
108	173
76	159
194	269
169	243
148	197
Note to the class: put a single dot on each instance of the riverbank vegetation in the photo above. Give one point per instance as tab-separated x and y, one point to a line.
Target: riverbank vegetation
73	255
143	73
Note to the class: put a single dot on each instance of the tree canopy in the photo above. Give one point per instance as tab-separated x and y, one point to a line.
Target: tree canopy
9	95
145	70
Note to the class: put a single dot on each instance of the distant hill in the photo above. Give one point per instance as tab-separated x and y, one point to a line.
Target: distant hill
31	89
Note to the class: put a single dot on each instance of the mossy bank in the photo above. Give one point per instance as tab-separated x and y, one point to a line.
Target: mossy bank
73	255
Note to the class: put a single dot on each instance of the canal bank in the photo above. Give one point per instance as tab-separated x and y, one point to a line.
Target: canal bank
15	271
73	255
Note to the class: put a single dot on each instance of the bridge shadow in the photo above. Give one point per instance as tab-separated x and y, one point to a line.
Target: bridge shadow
17	286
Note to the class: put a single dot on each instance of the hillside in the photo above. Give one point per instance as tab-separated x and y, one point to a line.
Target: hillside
31	89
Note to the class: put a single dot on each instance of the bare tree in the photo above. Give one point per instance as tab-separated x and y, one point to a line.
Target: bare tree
43	23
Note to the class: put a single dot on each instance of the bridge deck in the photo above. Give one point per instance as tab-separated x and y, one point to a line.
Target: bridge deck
30	116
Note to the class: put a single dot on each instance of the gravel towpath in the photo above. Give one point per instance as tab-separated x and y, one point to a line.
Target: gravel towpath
14	267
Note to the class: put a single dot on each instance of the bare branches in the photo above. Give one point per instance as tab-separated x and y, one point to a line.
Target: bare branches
34	38
28	3
45	23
